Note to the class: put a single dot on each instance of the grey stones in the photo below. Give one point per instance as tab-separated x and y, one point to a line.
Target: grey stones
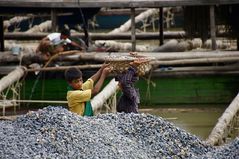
54	132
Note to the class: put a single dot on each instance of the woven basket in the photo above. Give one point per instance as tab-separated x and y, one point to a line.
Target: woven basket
120	64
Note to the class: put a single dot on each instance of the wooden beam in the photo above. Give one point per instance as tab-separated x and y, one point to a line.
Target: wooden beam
213	27
1	34
133	37
111	3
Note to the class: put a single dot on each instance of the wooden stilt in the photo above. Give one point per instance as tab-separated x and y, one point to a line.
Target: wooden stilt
54	20
1	34
133	37
213	28
161	26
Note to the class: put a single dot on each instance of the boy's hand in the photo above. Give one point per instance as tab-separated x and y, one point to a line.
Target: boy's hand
106	71
104	66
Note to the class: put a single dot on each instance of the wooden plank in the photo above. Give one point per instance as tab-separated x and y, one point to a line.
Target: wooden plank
111	3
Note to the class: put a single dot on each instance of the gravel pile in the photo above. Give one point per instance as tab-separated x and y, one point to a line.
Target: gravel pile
54	132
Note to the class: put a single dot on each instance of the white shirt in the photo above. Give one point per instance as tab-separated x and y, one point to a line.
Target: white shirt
55	39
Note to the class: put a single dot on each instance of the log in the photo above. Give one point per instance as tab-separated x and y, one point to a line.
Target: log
62	68
109	90
119	46
11	78
43	27
198	69
196	61
102	36
217	135
6	57
181	46
14	21
126	26
99	36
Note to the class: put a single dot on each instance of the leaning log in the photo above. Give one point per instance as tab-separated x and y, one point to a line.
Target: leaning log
219	132
11	78
126	26
108	91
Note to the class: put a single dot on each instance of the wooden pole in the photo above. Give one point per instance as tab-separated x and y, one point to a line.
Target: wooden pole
213	28
133	37
161	26
1	34
53	20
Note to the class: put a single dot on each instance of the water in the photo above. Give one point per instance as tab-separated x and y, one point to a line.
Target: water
197	121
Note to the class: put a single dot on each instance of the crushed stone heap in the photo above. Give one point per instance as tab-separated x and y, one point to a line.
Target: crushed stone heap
54	132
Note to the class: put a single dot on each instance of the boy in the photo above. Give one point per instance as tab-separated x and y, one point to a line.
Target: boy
79	93
129	100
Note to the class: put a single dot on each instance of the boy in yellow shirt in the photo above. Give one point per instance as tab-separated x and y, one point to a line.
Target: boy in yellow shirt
79	93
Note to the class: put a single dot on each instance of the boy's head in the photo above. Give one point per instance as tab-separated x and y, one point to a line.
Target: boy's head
65	33
74	77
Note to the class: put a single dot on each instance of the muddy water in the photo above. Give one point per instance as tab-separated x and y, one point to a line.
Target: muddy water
197	121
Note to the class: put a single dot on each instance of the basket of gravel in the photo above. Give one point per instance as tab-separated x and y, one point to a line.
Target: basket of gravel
120	64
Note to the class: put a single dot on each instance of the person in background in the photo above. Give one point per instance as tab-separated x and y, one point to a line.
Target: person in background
55	43
79	93
130	98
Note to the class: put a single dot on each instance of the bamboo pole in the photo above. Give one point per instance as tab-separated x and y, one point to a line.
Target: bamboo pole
11	78
217	136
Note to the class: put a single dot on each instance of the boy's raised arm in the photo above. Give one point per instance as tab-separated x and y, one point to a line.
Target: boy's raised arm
100	82
97	75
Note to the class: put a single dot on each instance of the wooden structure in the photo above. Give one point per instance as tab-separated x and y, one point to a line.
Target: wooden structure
33	5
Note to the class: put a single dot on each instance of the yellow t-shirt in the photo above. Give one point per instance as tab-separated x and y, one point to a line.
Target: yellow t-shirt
77	98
